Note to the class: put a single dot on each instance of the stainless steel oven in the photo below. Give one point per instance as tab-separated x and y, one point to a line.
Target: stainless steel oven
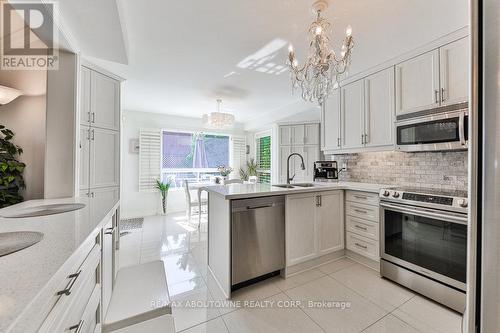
436	132
423	244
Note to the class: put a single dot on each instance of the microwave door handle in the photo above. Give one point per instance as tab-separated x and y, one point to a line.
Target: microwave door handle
461	128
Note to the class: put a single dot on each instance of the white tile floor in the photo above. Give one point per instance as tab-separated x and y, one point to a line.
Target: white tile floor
371	304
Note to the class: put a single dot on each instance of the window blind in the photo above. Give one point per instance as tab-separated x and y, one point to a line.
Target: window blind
238	152
149	158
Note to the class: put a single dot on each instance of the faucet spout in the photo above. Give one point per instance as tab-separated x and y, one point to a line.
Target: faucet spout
302	166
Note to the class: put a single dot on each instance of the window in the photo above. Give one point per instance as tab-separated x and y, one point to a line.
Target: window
263	154
193	156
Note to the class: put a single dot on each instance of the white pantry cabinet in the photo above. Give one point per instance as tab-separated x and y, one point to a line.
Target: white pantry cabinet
331	122
84	160
454	62
352	103
417	83
314	225
104	158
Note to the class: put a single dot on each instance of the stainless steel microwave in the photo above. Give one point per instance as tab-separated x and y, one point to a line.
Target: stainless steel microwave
437	132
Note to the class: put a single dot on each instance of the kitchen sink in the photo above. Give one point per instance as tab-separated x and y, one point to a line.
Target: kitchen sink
284	186
11	242
42	210
304	184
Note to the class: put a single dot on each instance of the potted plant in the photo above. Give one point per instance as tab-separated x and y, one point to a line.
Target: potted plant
163	188
11	170
251	170
224	171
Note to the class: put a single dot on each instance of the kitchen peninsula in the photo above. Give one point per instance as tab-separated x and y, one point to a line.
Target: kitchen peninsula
305	223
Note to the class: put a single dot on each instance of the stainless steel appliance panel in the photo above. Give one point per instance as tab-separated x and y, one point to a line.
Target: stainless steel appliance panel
257	237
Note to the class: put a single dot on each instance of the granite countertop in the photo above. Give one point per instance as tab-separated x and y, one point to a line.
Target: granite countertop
241	191
25	274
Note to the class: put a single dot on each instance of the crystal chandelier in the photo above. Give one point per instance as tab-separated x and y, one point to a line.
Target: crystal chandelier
218	119
320	73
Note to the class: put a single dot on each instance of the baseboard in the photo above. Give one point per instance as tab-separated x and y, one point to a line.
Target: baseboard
313	263
363	260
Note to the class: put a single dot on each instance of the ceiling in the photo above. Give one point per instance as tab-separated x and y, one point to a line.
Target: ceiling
180	56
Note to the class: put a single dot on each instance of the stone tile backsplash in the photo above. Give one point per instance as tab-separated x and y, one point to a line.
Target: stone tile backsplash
437	170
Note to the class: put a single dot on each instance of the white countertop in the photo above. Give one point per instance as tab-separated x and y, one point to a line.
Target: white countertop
241	191
25	274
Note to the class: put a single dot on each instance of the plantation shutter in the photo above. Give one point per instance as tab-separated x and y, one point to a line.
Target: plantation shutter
238	153
264	159
149	158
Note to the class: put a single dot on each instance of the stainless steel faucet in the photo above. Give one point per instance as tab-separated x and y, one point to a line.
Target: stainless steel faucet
288	178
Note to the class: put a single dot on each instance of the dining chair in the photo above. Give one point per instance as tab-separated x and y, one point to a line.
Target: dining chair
192	202
231	181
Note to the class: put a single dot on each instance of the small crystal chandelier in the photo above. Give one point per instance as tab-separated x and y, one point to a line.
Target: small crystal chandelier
322	69
218	119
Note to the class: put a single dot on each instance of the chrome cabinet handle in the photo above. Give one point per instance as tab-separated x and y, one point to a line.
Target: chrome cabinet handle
73	278
361	197
361	246
78	327
89	118
93	117
442	95
362	139
110	231
320	203
366	138
360	211
436	96
360	227
338	142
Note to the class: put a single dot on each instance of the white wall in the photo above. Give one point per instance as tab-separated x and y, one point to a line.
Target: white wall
26	117
133	202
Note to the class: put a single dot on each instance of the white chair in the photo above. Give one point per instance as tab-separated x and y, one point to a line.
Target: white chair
192	202
231	181
253	179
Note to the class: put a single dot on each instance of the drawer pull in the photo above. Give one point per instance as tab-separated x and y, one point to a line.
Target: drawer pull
360	211
361	197
110	231
361	246
360	227
67	291
78	327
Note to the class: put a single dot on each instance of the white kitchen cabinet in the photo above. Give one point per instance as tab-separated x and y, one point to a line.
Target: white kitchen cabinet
331	123
311	155
311	134
330	221
105	101
104	158
417	83
300	228
103	199
454	79
379	109
298	134
296	164
84	158
107	263
85	108
285	133
314	225
352	105
284	152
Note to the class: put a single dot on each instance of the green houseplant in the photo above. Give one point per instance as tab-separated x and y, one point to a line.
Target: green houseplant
11	170
251	170
163	189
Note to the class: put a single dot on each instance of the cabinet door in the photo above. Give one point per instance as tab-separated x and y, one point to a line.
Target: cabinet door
300	175
107	263
102	200
311	155
105	101
285	135
330	130
298	134
352	115
84	158
311	134
285	151
104	158
300	228
379	108
85	110
454	64
417	83
330	221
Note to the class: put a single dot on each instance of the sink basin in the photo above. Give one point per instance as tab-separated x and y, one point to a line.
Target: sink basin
42	210
11	242
284	186
304	185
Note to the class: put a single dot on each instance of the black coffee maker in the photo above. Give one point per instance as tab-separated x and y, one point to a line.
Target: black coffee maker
325	171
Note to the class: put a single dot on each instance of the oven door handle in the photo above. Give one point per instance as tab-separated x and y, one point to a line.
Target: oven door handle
426	213
461	128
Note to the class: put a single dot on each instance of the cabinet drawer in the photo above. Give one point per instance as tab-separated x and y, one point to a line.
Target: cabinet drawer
363	227
362	197
70	309
362	211
363	246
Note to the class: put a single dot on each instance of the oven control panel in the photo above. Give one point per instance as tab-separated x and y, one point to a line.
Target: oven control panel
428	198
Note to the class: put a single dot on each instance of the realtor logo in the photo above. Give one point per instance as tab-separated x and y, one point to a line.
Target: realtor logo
30	35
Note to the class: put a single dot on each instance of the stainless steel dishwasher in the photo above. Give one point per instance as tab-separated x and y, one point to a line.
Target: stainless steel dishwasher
257	238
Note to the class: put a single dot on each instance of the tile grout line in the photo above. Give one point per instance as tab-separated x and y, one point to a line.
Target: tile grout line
308	316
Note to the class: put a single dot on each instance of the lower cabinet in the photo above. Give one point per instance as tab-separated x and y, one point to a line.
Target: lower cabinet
314	225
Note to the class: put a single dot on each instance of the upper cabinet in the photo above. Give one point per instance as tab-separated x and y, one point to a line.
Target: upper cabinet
100	100
379	109
436	78
454	62
330	122
311	134
417	83
352	103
